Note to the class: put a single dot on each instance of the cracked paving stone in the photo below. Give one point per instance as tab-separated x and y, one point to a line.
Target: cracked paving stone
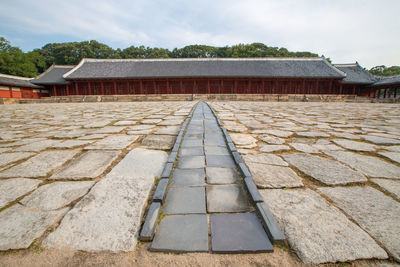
188	177
273	140
391	186
371	166
108	218
216	175
270	176
317	231
88	165
56	195
265	158
376	213
182	233
169	130
243	139
109	130
243	233
227	198
40	165
114	142
159	141
20	226
185	200
272	148
381	140
304	148
38	146
8	158
11	189
354	145
71	143
312	134
324	170
391	155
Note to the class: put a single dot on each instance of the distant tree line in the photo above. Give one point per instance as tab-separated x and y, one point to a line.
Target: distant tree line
385	71
15	62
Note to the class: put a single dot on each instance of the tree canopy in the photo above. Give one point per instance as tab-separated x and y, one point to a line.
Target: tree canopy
15	62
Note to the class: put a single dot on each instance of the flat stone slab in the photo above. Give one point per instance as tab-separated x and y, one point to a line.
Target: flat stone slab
317	231
391	186
270	176
11	189
125	123
192	151
185	200
216	150
217	175
88	165
354	145
56	195
159	141
38	146
71	143
188	177
371	166
20	226
312	134
238	233
306	148
395	156
265	158
191	162
182	233
381	140
108	218
220	161
325	170
8	158
273	140
278	133
40	165
114	142
272	148
376	213
109	129
169	130
243	139
227	198
393	148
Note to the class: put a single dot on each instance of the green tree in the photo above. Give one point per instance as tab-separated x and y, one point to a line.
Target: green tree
382	70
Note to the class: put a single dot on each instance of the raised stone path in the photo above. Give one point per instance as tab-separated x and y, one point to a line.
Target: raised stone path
206	207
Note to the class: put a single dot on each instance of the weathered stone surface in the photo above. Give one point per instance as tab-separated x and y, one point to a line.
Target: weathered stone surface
271	139
169	130
312	134
151	121
395	156
8	158
110	129
376	213
140	132
269	176
182	233
226	198
124	123
353	145
391	186
11	189
265	158
191	162
159	141
317	231
393	148
346	135
243	233
88	165
304	148
368	165
220	161
150	223
20	226
38	146
325	170
40	165
93	136
244	140
188	177
56	195
71	143
272	148
140	127
217	175
108	217
192	151
278	133
216	150
185	200
114	142
381	140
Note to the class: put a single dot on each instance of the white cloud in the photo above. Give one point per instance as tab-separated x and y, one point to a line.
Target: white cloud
345	30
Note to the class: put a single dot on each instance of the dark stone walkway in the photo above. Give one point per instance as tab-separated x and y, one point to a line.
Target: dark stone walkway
206	207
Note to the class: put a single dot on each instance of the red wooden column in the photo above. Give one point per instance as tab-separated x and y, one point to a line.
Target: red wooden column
76	88
168	91
67	89
235	87
10	91
249	86
180	86
89	88
54	90
127	88
330	86
263	86
194	86
341	89
141	87
102	87
155	87
354	89
304	86
208	86
318	87
222	87
115	87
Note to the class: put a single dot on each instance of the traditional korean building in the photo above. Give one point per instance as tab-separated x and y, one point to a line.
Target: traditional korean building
386	87
208	76
20	87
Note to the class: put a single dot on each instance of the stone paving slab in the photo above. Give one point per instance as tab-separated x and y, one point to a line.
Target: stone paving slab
238	233
191	162
394	156
38	146
7	158
227	198
354	145
217	175
188	177
108	217
20	226
185	200
325	170
116	142
317	231
182	233
40	165
159	141
88	165
11	189
391	186
56	195
376	213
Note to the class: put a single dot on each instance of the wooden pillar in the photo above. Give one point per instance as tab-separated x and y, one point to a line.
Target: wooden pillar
330	86
54	90
89	88
127	91
208	86
155	87
102	87
317	87
194	87
249	86
115	87
180	86
354	89
66	86
141	87
304	86
263	86
168	91
222	87
341	89
275	88
235	87
76	88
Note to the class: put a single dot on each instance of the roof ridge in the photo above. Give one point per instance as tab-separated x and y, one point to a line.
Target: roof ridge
201	59
15	77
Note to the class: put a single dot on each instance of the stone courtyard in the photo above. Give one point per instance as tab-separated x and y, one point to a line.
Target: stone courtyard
79	177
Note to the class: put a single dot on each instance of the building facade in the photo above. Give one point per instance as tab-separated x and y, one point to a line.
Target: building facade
20	87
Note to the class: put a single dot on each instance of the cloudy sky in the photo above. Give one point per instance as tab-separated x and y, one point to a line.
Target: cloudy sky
367	31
